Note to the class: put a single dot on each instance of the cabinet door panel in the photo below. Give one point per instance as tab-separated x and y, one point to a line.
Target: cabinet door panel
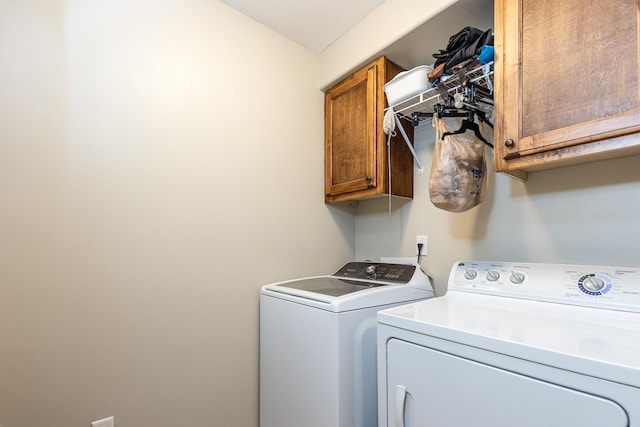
351	108
567	82
582	66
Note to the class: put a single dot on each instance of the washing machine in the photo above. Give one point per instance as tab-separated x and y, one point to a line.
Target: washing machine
515	344
318	343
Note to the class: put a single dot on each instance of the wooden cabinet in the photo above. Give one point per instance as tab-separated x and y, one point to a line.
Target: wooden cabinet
566	82
356	162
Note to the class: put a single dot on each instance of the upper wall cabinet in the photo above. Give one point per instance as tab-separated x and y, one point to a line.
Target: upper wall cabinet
566	82
356	160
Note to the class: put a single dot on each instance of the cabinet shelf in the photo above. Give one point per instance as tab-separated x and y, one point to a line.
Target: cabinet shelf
426	101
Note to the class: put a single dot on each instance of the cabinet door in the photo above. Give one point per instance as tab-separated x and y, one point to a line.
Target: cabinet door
566	82
350	133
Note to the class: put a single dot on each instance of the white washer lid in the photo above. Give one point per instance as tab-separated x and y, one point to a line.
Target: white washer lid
357	285
335	299
591	341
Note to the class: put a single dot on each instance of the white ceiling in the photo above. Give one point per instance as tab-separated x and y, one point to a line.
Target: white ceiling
314	24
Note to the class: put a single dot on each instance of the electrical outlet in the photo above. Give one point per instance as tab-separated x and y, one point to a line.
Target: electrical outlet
423	240
105	422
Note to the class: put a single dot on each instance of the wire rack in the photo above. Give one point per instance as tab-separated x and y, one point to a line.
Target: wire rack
426	101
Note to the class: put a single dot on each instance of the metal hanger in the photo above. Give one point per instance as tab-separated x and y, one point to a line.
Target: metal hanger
469	124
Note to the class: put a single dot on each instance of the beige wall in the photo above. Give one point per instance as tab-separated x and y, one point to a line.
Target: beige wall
159	161
368	40
587	214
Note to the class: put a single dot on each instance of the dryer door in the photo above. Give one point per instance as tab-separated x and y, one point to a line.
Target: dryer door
429	388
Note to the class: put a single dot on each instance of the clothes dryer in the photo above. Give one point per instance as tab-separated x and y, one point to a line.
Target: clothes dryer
515	344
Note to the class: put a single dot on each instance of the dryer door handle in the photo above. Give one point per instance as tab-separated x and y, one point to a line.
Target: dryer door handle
401	397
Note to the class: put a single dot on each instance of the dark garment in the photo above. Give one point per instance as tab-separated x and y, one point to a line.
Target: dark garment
461	39
463	45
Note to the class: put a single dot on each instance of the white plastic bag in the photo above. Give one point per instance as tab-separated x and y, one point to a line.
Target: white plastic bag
457	180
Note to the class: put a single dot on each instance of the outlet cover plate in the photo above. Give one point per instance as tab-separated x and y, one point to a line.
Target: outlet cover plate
105	422
421	239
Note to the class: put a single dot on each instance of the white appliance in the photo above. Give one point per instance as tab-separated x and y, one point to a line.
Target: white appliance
515	344
318	343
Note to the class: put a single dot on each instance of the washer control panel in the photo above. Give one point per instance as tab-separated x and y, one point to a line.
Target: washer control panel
394	273
594	286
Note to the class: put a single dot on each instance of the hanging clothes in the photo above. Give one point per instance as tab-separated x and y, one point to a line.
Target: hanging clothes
463	46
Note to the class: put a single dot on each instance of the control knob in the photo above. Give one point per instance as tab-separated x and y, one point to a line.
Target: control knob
516	278
470	274
593	284
371	271
492	275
